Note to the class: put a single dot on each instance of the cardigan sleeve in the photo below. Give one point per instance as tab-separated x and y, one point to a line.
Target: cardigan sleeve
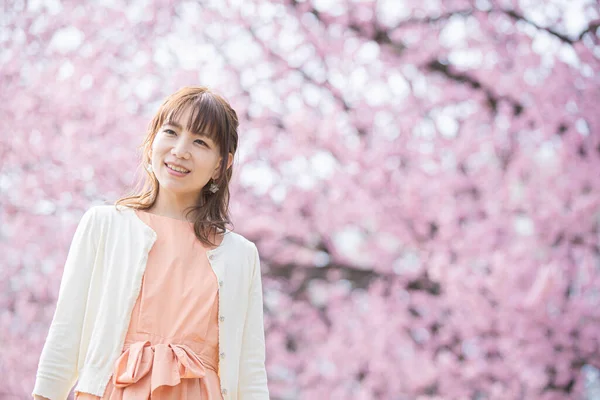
57	368
253	374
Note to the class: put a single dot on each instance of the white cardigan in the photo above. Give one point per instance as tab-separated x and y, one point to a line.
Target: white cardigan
100	284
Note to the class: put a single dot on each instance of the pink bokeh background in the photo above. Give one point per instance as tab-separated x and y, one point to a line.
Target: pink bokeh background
422	179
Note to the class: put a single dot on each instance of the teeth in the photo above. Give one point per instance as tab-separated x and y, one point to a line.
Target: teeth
174	168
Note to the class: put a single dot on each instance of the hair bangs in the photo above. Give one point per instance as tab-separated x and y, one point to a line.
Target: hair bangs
206	117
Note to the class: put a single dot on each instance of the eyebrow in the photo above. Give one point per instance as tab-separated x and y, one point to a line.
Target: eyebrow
178	126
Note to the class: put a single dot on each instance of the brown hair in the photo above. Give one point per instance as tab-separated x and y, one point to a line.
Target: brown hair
211	113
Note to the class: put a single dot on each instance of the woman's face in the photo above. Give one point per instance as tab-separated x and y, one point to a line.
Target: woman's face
196	153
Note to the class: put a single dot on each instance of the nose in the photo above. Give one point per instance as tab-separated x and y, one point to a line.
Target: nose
180	150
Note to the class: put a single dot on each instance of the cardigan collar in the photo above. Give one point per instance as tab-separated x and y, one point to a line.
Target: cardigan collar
130	212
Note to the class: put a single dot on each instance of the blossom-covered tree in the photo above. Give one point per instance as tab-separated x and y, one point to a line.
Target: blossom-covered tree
421	178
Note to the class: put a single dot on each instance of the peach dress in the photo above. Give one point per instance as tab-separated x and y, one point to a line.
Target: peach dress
171	346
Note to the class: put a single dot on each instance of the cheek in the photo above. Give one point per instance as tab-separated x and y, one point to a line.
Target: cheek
204	165
159	141
159	148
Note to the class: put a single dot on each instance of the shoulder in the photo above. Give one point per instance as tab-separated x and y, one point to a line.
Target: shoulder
103	217
240	246
239	241
103	212
109	209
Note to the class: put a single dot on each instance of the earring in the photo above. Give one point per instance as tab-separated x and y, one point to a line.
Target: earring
149	168
214	188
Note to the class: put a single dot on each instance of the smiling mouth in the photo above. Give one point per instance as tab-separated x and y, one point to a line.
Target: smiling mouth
176	170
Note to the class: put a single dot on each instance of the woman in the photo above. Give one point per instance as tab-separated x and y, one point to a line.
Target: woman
158	298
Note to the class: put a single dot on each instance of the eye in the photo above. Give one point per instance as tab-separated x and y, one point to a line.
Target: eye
171	132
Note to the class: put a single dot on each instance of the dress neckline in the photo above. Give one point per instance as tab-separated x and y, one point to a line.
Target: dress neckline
164	216
189	224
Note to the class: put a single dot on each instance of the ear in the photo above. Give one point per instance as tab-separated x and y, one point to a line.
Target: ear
229	162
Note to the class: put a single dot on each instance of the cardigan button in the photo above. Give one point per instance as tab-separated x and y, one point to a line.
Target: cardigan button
222	355
222	318
221	283
224	391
